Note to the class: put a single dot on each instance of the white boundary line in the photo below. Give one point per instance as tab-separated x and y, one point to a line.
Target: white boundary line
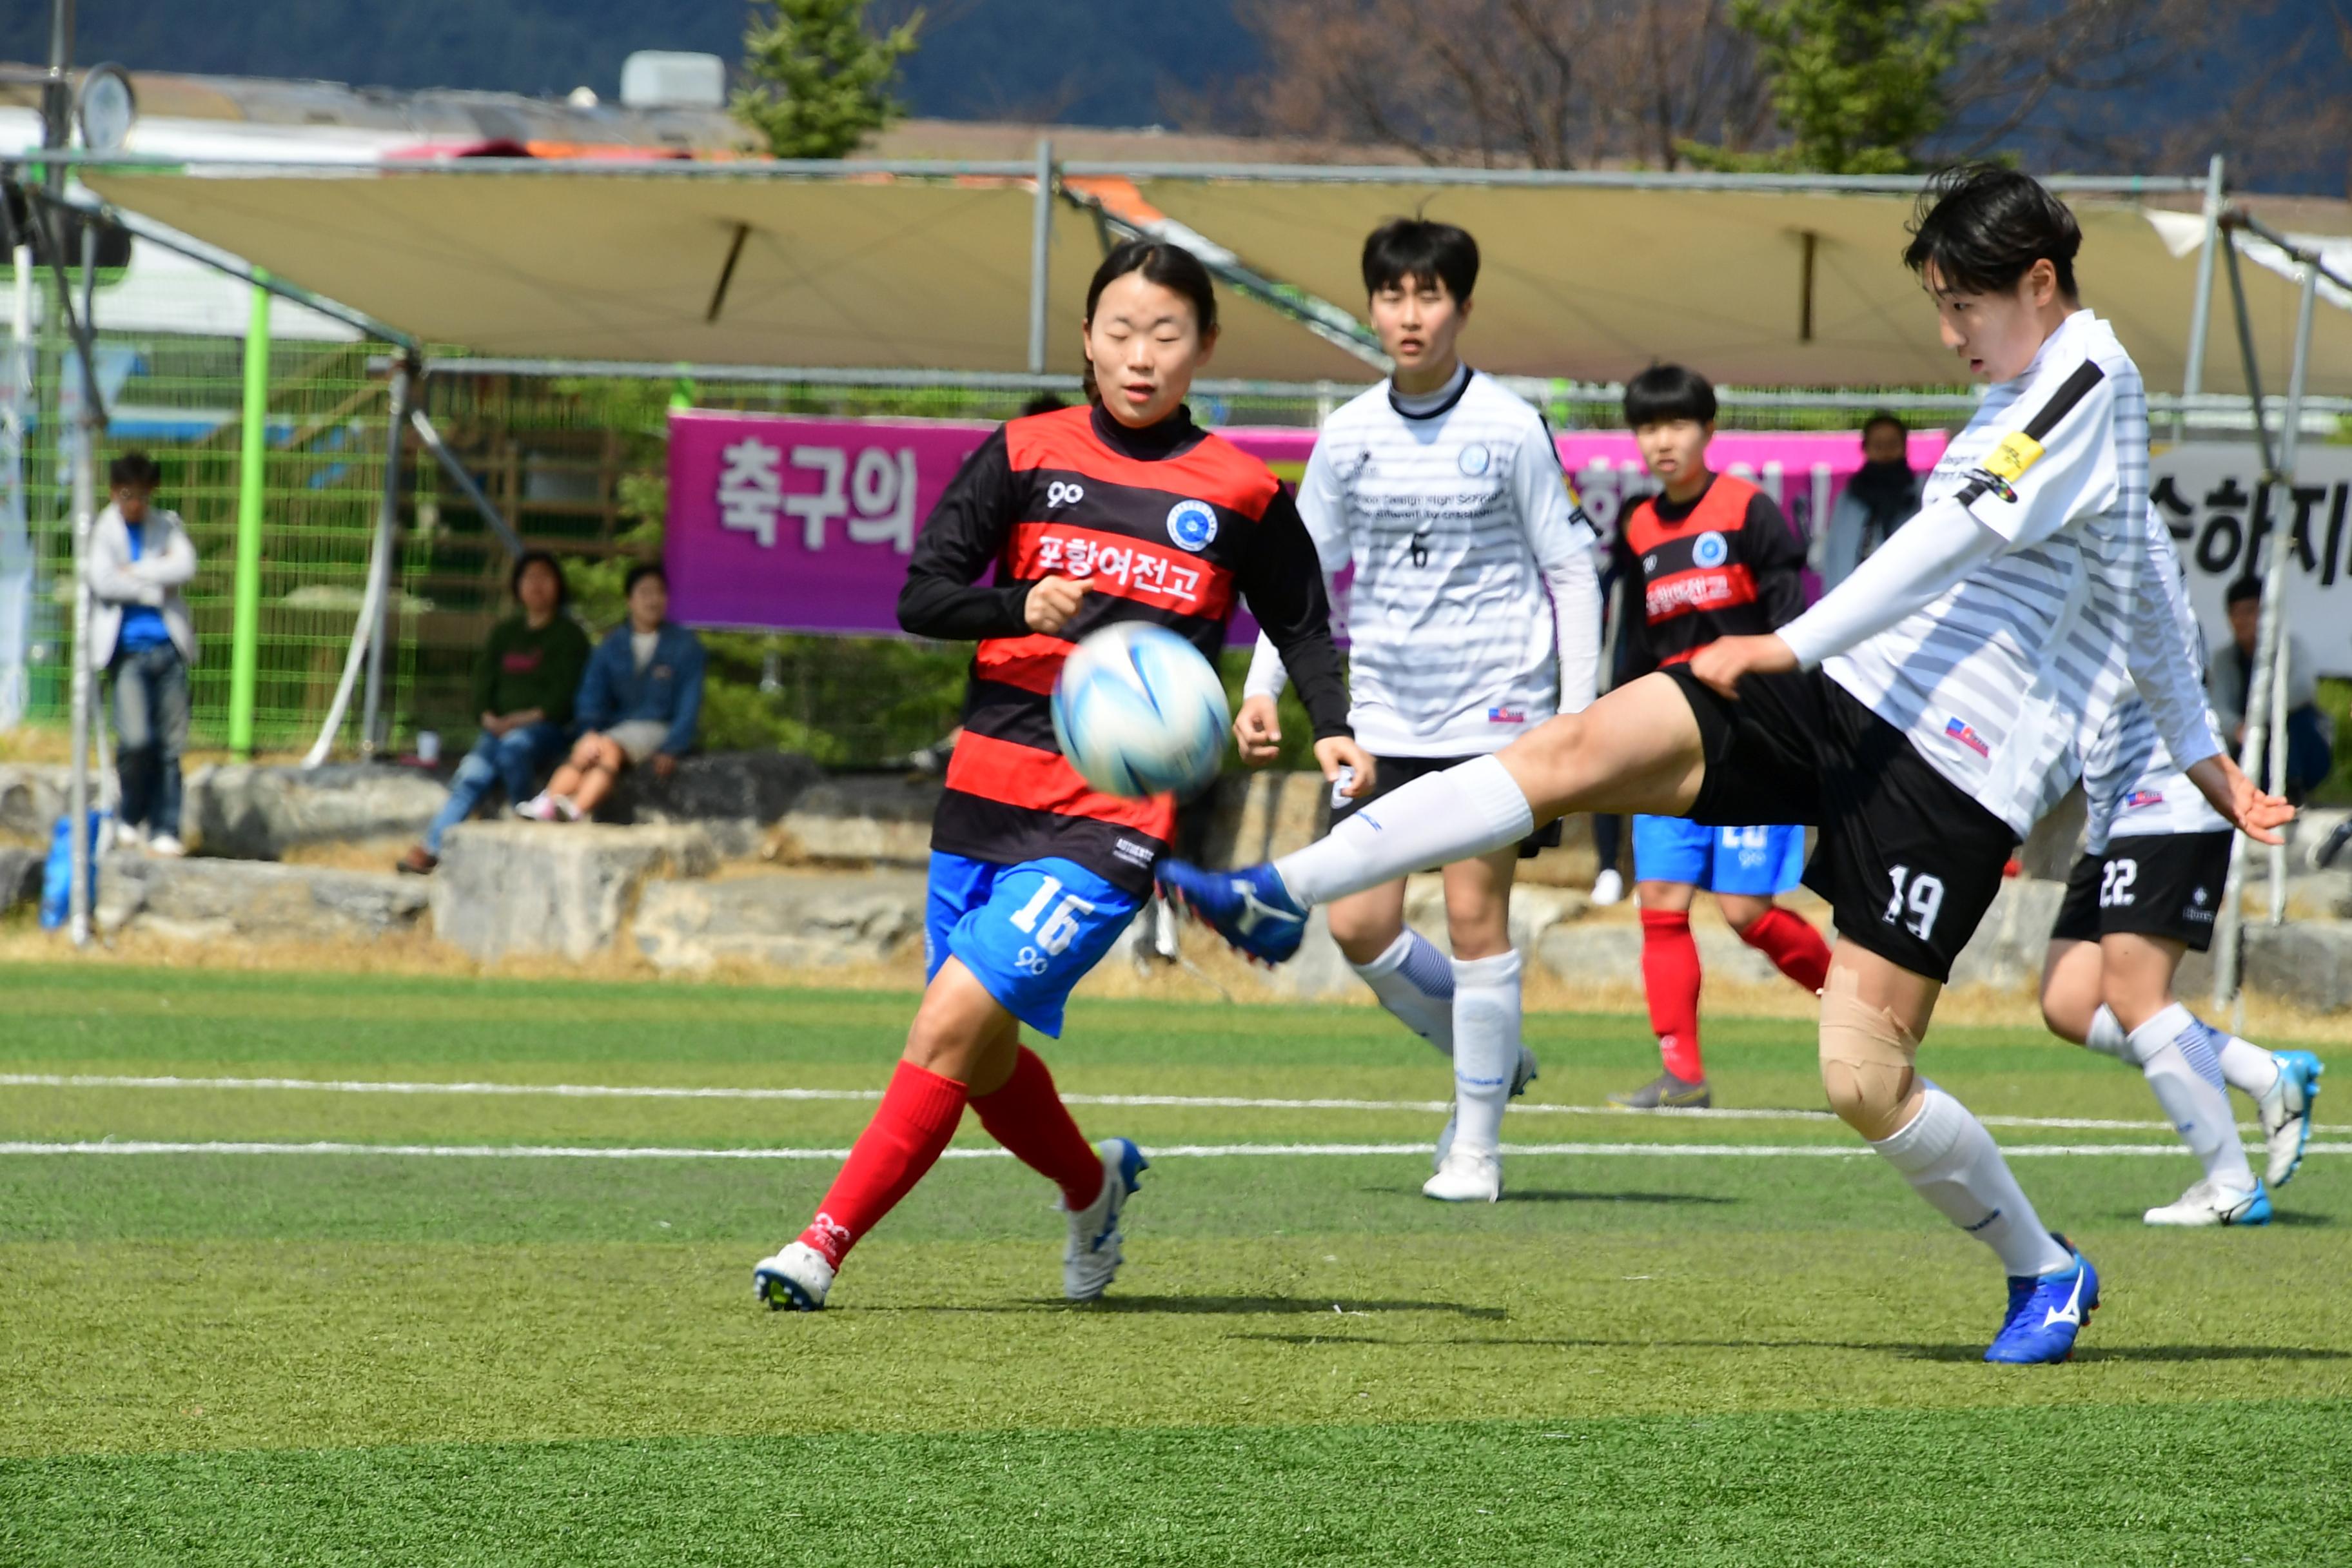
1165	1151
1180	1101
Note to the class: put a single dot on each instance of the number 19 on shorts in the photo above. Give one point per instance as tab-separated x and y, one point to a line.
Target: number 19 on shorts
1918	895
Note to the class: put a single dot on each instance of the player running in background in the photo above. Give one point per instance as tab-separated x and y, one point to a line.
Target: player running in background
1124	510
1924	716
2144	891
1710	557
1474	614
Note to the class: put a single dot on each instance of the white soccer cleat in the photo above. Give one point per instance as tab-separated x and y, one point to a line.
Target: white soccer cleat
1607	888
1522	1075
2285	1112
794	1280
1092	1259
2205	1203
1466	1176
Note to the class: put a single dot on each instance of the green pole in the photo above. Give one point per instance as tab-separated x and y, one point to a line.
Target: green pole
245	660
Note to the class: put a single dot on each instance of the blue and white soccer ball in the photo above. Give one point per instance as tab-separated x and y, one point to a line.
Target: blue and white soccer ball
1138	712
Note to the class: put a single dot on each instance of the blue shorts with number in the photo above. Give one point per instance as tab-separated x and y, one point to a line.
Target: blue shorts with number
1027	932
1756	861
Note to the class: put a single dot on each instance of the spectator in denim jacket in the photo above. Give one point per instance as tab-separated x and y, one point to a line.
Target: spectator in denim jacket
640	702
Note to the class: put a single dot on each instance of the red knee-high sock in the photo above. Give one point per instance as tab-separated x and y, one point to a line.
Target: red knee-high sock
1795	948
918	1116
1027	1116
1670	975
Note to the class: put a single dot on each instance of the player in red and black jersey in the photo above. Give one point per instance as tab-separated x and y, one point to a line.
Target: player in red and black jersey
1123	509
1710	557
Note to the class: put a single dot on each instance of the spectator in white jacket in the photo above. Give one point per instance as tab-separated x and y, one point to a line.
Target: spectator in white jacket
140	559
1880	498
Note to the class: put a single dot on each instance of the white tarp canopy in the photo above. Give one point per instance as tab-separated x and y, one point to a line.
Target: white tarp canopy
1791	282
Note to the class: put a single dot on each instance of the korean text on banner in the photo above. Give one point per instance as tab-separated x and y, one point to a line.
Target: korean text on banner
2211	497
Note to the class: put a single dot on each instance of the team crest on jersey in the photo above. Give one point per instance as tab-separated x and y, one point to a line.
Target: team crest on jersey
1710	550
1966	735
1475	458
2142	798
1193	525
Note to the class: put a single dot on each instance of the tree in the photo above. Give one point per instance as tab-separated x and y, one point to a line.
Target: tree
1857	85
821	82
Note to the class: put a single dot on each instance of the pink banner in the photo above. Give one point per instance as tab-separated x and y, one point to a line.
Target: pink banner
779	522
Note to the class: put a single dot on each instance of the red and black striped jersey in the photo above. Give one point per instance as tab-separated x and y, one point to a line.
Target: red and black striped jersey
1168	524
1724	563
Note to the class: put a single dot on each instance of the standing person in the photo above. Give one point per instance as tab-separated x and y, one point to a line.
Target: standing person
1883	495
640	702
2310	751
1924	716
1709	556
524	685
1474	614
1122	510
140	632
2144	892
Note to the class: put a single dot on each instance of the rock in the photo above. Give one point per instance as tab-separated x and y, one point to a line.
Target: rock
33	797
507	887
875	819
2308	963
1256	816
1611	955
783	919
718	786
204	900
249	812
2010	942
20	875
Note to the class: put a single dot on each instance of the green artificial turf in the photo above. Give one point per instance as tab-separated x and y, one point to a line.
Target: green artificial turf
1639	1356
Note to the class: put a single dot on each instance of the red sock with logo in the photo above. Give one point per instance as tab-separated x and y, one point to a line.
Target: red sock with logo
1670	975
1795	948
910	1128
1027	1116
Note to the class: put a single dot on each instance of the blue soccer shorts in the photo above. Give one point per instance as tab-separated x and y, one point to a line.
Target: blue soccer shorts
1755	861
1027	932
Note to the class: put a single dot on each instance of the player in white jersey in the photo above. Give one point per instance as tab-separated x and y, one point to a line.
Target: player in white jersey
1922	715
2146	891
1473	616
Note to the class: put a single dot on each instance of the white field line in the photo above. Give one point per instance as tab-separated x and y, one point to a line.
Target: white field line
1191	1102
1176	1151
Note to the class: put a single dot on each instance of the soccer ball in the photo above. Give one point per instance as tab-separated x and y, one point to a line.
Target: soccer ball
1138	712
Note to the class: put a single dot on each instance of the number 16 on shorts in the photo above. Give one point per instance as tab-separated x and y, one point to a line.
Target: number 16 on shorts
1918	900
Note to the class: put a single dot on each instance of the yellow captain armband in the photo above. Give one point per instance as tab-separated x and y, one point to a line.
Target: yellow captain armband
2014	454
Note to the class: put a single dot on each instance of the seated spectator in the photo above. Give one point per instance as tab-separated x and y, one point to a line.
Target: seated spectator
2310	748
1883	495
524	686
640	702
139	560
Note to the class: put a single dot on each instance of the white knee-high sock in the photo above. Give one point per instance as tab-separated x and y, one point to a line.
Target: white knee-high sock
1415	982
1486	1046
1952	1162
1435	820
2176	1053
2245	1065
2109	1037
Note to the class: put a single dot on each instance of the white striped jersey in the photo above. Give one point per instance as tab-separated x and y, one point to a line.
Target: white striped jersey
2130	782
1475	614
2003	681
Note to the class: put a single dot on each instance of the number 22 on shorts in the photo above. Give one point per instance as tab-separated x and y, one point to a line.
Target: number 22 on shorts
1060	927
1922	895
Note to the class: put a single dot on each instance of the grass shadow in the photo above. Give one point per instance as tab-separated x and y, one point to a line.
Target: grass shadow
1237	1306
1912	1352
1520	1195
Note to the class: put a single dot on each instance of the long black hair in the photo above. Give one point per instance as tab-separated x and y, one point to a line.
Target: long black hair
531	558
1984	226
1169	266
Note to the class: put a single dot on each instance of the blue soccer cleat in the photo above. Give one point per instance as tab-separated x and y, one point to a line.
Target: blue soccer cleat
1250	908
2285	1112
2046	1313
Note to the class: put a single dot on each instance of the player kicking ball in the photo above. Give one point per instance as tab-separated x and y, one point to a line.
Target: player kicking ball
2146	891
1474	614
1034	874
1711	557
1923	715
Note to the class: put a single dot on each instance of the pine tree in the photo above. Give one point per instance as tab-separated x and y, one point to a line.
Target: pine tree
1856	84
820	81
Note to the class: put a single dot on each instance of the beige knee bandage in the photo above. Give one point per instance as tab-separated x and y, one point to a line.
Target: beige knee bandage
1866	1061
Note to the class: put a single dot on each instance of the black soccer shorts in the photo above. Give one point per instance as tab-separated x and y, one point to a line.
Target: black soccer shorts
2147	884
1908	863
1389	773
